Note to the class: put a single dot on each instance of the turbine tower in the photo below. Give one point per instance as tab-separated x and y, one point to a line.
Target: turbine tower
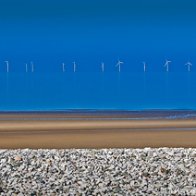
32	66
102	67
63	67
7	66
119	63
144	64
189	65
167	62
74	66
26	66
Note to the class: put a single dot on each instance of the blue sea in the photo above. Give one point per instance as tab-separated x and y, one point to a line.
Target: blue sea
50	33
61	91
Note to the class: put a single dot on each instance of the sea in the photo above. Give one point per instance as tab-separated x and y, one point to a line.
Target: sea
130	91
50	33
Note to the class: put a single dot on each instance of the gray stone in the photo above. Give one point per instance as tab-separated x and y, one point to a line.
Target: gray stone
147	171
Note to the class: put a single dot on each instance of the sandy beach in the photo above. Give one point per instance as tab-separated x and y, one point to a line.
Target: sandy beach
56	130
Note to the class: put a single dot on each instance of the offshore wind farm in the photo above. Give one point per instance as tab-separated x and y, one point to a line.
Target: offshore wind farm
77	88
139	59
119	63
110	91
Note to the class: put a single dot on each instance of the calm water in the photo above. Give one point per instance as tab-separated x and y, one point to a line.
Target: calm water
82	90
90	32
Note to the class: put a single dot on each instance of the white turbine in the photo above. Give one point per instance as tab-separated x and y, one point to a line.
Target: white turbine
32	66
167	62
7	66
189	65
145	66
63	67
119	63
74	66
102	67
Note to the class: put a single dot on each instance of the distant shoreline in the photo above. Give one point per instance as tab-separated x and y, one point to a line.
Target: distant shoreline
99	114
96	110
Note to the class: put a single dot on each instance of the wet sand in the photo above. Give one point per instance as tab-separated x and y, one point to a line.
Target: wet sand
58	130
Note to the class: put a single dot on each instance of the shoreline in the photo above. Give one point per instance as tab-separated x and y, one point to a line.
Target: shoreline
98	114
93	132
94	110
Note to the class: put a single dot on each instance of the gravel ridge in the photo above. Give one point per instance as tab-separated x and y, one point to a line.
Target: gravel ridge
148	171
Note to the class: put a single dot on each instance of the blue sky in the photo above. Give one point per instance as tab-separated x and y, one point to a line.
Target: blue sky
94	31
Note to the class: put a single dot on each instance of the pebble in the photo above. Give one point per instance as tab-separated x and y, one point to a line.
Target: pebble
163	171
17	158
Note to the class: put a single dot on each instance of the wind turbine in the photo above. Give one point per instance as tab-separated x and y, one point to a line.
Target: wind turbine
189	65
119	63
26	66
63	66
7	66
167	62
74	66
144	64
32	66
102	67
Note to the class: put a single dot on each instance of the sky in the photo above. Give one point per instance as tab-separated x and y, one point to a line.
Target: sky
90	32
